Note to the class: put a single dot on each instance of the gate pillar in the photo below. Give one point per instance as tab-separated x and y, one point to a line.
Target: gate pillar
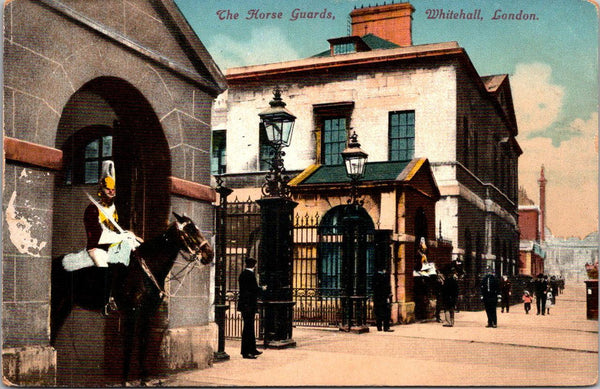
275	270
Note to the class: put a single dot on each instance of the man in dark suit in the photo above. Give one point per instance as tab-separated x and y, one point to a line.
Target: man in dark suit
247	305
541	286
382	295
489	294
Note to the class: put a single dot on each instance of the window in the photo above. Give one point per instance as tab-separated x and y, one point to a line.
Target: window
265	150
332	123
96	151
334	140
344	48
219	152
87	149
401	135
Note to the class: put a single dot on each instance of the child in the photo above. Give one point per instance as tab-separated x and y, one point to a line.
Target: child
527	299
548	301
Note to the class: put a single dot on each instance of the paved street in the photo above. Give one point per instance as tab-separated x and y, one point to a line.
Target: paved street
526	350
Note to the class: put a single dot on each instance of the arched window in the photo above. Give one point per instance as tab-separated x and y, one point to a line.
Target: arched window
85	152
330	250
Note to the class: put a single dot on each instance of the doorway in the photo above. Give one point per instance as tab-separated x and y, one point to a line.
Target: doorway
107	118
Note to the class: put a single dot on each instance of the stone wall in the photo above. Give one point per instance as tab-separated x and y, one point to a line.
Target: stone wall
52	50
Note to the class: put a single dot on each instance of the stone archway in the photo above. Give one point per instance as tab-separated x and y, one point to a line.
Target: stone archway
121	118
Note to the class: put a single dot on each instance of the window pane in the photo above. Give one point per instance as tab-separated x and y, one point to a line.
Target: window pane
334	140
91	172
402	144
402	136
91	149
107	146
401	131
403	119
217	165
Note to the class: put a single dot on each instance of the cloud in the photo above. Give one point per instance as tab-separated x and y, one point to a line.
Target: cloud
537	101
265	44
572	174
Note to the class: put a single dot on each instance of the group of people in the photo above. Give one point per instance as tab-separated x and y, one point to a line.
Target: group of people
545	289
492	292
447	296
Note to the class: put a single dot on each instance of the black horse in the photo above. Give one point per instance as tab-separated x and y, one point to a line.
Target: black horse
140	287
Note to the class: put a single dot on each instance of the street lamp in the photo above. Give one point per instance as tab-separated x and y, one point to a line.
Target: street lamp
277	210
220	282
355	161
278	124
354	252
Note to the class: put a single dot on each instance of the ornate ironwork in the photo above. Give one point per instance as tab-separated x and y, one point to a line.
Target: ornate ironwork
355	198
276	181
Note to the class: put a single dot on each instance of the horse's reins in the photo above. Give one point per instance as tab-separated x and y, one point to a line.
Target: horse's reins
146	269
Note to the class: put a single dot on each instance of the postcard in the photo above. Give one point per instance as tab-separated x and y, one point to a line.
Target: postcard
284	193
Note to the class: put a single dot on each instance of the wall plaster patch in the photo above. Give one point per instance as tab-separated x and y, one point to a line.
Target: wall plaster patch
19	230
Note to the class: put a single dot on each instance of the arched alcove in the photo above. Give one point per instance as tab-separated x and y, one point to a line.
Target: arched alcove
107	118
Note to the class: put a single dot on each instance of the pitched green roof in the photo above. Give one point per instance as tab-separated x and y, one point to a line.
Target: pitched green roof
374	171
375	42
372	41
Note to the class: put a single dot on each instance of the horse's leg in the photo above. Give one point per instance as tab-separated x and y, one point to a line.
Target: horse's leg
128	333
143	335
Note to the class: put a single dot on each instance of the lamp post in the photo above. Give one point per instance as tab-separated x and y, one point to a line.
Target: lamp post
355	160
354	299
277	208
220	284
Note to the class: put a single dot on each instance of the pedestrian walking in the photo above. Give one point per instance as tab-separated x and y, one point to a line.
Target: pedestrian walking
527	299
247	305
382	299
439	284
553	285
505	292
540	285
549	300
450	297
489	295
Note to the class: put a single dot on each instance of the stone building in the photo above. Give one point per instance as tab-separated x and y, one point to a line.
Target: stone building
531	254
567	257
404	101
133	81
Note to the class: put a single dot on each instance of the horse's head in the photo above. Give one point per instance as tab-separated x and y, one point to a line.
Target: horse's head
193	242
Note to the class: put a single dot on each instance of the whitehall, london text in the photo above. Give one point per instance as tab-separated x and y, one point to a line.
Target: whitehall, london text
440	13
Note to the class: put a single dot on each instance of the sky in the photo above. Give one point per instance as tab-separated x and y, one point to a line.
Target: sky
552	62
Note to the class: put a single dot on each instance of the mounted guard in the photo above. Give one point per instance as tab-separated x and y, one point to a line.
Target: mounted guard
107	242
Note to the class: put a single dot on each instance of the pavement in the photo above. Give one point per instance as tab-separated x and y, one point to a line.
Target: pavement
524	350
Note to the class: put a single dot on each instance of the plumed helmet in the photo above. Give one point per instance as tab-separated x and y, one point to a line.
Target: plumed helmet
107	177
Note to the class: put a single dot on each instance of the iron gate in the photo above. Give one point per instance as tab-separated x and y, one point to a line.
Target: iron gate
317	266
243	234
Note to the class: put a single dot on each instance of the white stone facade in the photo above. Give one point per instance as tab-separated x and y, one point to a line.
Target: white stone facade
464	125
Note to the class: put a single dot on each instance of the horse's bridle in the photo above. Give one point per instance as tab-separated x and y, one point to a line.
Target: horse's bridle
193	254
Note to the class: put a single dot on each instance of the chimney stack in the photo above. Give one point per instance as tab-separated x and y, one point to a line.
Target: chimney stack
392	22
542	182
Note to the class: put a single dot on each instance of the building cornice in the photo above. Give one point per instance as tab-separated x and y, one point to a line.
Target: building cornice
313	64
